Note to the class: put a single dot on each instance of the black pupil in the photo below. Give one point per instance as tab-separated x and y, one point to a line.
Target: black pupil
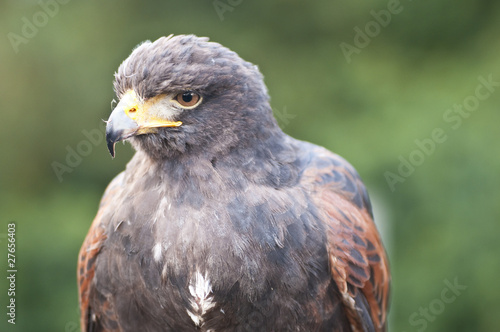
187	97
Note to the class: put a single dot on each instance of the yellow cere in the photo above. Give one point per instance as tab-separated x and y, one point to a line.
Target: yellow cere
141	114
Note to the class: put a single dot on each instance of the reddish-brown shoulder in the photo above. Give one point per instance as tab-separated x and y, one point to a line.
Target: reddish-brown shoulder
358	262
90	250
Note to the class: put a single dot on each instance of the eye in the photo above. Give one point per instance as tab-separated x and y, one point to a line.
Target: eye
188	99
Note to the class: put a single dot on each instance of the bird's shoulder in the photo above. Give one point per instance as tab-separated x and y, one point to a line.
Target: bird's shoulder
92	246
357	259
324	170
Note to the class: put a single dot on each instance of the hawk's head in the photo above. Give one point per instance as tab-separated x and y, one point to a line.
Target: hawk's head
184	94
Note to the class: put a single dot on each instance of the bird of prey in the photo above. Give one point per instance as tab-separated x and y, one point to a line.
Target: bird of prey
220	221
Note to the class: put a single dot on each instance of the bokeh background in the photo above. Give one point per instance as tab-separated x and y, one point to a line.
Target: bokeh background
368	98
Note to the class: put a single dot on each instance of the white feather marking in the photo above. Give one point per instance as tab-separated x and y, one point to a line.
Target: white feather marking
161	209
200	289
195	318
157	252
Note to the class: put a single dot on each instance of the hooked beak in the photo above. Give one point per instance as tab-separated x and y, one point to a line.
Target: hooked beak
118	128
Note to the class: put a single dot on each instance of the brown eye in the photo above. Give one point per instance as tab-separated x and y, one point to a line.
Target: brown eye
188	99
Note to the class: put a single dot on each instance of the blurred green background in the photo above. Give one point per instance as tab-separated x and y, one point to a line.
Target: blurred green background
368	99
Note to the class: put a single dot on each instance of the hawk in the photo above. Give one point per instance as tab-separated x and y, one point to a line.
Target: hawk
220	221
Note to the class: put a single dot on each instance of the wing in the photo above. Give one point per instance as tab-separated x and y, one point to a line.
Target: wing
358	262
87	258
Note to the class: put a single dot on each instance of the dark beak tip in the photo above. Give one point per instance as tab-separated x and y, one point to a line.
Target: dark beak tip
111	148
118	128
111	139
